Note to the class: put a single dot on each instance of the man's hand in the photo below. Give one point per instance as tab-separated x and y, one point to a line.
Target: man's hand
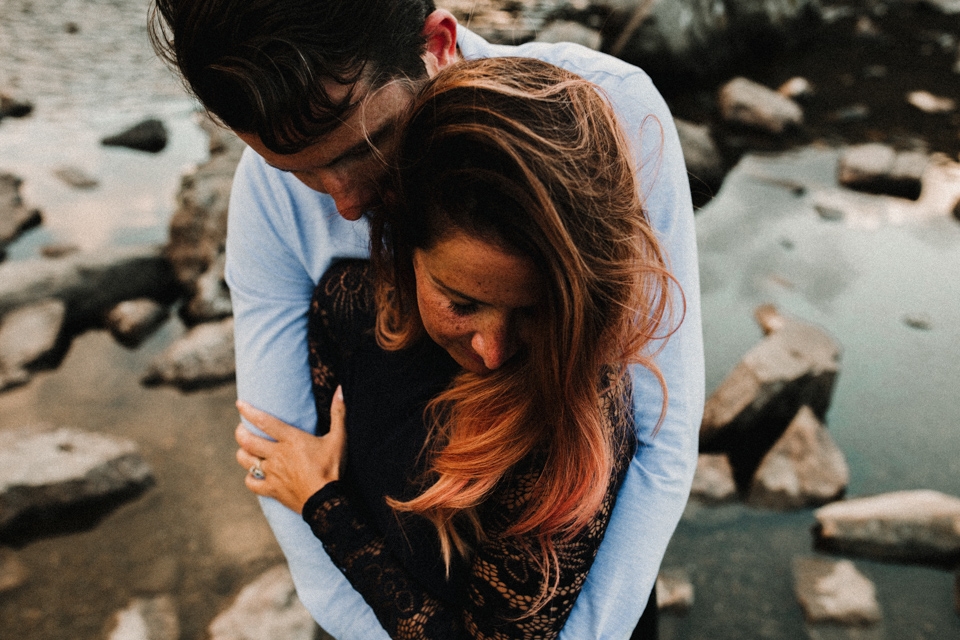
295	465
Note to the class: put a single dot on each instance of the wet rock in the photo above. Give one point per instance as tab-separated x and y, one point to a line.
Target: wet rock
929	103
834	592
198	229
920	526
12	572
147	619
748	103
15	217
796	88
713	481
11	107
132	321
202	357
149	135
793	366
89	282
45	470
700	153
27	336
266	608
674	591
805	468
879	168
569	31
76	177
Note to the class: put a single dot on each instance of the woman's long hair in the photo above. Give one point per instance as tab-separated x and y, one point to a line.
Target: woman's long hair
528	157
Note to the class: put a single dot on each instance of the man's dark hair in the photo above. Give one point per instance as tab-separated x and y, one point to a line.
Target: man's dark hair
259	66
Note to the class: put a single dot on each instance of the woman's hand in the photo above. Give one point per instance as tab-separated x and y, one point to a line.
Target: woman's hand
297	464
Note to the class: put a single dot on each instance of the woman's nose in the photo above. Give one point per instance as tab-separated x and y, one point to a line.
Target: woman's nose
495	343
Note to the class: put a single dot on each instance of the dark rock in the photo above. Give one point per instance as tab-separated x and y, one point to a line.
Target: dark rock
920	526
202	357
11	107
46	470
28	335
834	592
674	591
879	168
266	608
748	103
149	135
713	481
12	572
15	217
71	28
919	321
147	619
793	366
132	321
805	468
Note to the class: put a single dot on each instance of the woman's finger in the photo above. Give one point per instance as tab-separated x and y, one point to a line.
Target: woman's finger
338	414
273	427
251	442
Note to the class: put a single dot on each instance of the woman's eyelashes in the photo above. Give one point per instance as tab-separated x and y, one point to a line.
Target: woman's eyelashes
462	308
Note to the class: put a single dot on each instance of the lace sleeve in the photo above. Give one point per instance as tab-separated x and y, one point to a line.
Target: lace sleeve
503	578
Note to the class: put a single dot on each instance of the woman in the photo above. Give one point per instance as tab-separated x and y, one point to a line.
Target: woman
514	276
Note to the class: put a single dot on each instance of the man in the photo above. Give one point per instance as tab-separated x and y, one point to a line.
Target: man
315	89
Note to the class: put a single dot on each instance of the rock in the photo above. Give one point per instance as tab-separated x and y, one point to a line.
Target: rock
198	228
57	250
919	321
266	608
853	113
805	468
929	103
947	7
713	481
880	169
202	357
76	177
866	28
15	217
795	365
148	135
674	591
834	592
700	153
769	318
132	321
11	107
147	619
796	88
745	102
44	470
568	31
27	336
920	526
89	282
12	572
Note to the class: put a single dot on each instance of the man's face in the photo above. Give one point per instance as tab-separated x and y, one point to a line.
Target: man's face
343	163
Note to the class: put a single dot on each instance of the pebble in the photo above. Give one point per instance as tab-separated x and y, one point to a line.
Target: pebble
147	619
930	103
148	135
76	177
749	103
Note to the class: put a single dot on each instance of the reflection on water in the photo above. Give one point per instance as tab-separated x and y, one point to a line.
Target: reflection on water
895	412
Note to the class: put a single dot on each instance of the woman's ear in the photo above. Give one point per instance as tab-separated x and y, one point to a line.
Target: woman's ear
440	32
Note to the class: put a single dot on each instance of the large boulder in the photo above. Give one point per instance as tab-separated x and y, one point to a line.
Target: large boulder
920	526
834	592
795	365
147	619
266	608
89	282
805	468
713	481
15	216
46	472
29	335
751	104
202	357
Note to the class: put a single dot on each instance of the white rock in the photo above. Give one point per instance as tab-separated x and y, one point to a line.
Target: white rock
796	87
674	591
834	592
76	177
948	7
910	526
203	356
929	103
44	468
746	102
132	321
27	335
569	31
147	619
804	468
266	608
713	481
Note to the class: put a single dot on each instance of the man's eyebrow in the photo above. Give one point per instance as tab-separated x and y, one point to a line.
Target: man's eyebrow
364	145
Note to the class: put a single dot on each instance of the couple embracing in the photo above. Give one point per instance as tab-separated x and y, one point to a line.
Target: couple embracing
465	289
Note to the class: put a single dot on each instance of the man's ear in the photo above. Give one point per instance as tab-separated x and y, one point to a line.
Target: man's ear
440	32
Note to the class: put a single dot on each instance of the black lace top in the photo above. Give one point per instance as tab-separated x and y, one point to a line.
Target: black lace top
393	560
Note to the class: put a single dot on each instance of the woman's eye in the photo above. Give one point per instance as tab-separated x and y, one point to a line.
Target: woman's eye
462	309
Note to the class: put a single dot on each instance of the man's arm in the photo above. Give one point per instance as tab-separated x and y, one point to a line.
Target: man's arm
280	239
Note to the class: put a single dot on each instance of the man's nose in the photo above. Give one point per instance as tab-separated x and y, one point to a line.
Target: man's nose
340	187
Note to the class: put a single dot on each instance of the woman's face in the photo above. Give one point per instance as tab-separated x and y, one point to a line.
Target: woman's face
476	300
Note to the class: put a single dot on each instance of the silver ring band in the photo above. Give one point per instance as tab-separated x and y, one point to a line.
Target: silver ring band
257	471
